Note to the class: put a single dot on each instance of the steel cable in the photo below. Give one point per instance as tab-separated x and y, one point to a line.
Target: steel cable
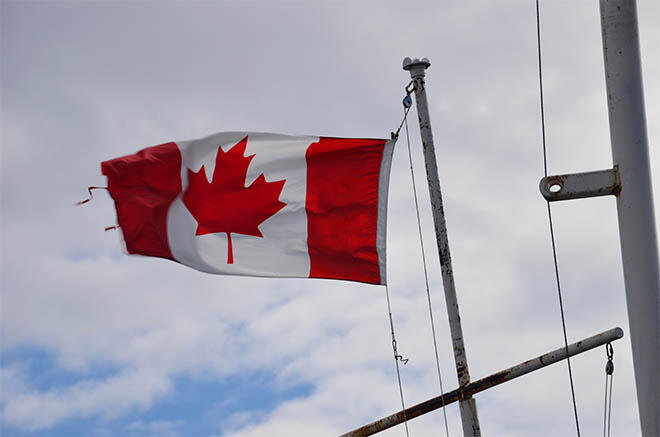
552	233
426	276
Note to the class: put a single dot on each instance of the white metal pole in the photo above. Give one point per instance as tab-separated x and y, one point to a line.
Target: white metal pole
467	405
639	249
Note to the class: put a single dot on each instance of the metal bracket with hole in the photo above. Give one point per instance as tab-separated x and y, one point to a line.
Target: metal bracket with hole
581	185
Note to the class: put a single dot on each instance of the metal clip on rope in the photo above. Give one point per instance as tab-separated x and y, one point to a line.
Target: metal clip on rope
397	356
609	375
407	104
410	88
609	367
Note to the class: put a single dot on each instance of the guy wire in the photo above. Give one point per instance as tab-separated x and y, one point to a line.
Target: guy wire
552	233
426	276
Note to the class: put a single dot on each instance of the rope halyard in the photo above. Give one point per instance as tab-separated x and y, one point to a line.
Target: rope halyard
406	105
397	358
552	233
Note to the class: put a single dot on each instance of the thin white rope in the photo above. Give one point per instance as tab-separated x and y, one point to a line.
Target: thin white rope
426	277
397	358
609	408
607	414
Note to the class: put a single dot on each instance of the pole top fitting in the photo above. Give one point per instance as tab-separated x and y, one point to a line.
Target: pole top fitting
416	66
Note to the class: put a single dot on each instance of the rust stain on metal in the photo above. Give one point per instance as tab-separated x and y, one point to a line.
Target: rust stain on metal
459	394
616	190
581	185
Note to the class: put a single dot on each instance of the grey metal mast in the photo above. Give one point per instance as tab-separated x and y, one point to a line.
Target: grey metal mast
468	406
630	181
639	249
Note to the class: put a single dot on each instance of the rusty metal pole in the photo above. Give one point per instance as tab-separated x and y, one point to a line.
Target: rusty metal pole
468	405
639	247
488	382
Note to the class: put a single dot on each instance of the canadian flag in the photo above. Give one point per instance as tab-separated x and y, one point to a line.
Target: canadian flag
258	204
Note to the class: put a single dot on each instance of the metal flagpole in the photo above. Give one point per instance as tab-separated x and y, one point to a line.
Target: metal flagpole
467	404
639	250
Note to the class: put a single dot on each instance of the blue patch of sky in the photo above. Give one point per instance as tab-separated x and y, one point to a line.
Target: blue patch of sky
197	407
204	406
44	373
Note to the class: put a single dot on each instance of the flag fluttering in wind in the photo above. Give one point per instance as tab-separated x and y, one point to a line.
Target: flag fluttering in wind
258	204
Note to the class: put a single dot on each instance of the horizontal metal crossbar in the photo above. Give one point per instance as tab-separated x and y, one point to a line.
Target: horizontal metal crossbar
485	383
580	185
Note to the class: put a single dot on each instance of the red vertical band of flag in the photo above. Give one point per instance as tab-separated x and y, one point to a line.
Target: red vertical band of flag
143	186
342	208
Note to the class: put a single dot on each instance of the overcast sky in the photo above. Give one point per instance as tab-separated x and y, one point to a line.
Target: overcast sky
97	343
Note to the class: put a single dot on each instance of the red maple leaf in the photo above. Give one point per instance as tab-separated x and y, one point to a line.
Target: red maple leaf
226	204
